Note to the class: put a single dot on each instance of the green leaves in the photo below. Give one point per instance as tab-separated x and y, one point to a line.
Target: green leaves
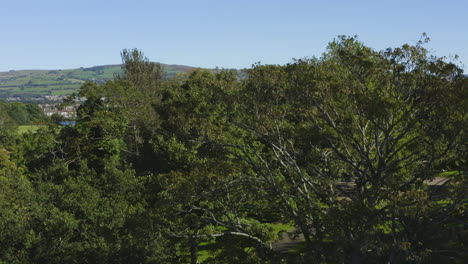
211	162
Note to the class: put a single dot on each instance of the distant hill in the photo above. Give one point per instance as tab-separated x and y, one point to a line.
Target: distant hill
30	85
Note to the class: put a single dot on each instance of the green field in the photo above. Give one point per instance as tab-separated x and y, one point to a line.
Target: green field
28	84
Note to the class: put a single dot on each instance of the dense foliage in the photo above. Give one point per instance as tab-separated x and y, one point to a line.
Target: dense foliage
205	166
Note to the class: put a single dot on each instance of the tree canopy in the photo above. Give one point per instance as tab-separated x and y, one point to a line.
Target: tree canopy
362	153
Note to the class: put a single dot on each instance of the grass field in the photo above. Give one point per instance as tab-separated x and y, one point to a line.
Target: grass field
28	128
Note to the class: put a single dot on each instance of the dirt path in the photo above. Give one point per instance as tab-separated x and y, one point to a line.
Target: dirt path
287	241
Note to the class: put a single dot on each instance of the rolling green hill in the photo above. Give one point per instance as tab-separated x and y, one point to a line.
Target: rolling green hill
27	85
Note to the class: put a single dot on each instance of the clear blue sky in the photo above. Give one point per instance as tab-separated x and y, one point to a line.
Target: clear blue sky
50	34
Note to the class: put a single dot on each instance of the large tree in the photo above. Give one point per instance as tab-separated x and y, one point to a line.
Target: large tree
348	141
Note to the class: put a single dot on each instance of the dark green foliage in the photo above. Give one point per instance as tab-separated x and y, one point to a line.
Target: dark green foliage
201	168
22	114
7	125
142	73
347	149
19	113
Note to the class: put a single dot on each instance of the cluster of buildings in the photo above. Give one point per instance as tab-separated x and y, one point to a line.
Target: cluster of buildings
51	98
55	97
67	112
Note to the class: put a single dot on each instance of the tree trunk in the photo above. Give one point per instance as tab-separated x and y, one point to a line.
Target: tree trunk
356	257
193	252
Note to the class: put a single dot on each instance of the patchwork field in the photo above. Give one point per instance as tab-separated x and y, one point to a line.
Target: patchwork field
28	84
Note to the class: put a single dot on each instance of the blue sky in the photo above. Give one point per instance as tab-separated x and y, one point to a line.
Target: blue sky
66	34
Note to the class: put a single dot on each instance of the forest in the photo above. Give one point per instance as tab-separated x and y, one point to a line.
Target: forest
216	166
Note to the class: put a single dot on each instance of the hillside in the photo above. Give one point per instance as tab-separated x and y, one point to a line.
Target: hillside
34	85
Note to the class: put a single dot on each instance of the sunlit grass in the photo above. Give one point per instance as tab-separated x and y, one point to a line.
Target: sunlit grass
27	128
